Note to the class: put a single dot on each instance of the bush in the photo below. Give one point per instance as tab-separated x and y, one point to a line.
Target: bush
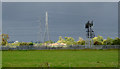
4	43
81	41
25	43
5	37
22	43
97	43
116	41
30	43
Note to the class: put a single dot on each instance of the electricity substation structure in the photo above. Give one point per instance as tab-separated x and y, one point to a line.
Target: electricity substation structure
90	34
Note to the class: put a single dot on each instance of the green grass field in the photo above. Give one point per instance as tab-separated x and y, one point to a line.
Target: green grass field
60	58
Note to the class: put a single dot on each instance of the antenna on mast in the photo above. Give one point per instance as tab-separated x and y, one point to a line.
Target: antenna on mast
90	33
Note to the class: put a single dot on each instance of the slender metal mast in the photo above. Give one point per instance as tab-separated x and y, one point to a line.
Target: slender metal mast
90	33
46	35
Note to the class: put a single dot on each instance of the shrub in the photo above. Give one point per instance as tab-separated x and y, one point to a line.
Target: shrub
30	43
116	41
97	43
50	41
109	41
5	37
23	43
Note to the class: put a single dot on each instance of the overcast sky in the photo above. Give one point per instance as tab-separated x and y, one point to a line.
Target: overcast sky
22	20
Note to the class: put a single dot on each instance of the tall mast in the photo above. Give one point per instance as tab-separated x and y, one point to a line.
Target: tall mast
46	35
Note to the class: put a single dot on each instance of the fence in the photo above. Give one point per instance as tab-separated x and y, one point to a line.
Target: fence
59	47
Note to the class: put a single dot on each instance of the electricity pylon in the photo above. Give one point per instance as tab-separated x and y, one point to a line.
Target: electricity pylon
46	35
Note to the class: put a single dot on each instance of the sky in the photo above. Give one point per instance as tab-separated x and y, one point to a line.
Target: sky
21	20
59	0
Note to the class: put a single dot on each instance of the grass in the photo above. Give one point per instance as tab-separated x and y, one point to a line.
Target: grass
60	58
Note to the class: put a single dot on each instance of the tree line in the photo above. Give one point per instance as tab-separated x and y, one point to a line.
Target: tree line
99	40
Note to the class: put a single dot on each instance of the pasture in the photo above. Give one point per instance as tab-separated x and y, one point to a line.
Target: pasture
60	58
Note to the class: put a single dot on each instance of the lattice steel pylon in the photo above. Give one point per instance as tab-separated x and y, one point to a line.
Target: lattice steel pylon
46	34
